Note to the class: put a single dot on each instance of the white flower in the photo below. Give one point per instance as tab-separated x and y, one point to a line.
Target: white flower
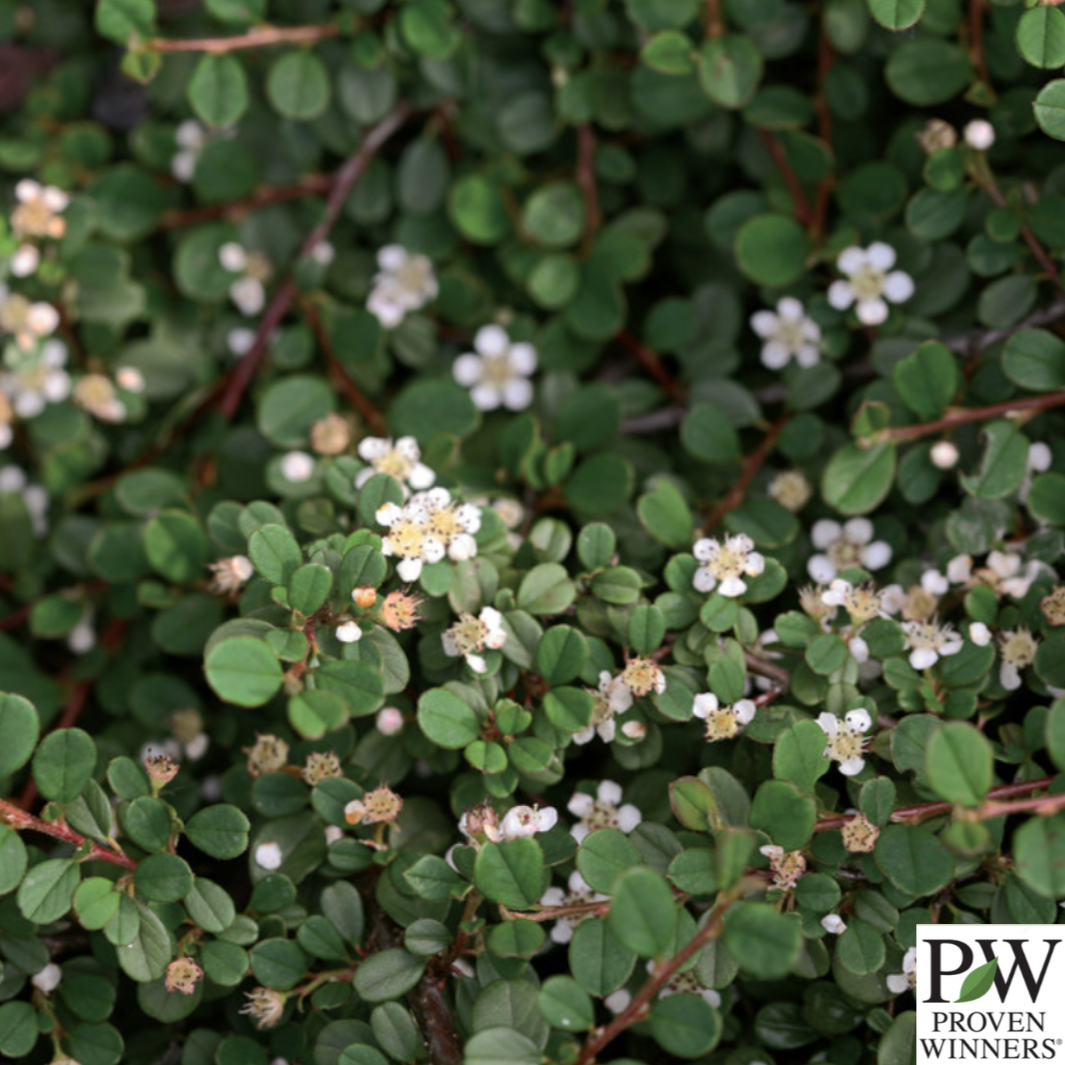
907	979
405	282
724	565
578	894
498	374
618	1001
25	261
979	134
791	490
843	546
1040	459
1017	648
37	216
723	722
401	460
31	379
869	285
522	821
323	253
248	291
47	980
929	641
862	603
229	574
980	634
389	721
602	811
787	866
846	740
934	583
297	466
787	334
82	638
348	632
268	856
470	635
240	341
944	455
685	983
431	526
191	139
833	923
613	697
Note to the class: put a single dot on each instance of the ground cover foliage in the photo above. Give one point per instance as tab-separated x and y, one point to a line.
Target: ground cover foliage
530	530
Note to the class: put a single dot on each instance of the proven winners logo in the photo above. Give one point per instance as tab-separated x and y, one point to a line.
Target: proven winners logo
990	993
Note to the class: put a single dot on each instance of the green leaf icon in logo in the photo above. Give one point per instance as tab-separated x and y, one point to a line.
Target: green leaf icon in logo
978	982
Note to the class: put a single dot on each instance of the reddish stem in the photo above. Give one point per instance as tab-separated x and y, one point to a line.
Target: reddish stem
264	37
987	182
20	820
976	40
738	492
803	215
284	297
589	190
234	210
825	58
650	361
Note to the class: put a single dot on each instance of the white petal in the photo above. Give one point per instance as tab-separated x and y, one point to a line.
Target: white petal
491	340
467	369
392	257
233	257
858	531
833	923
486	397
731	587
808	356
825	533
829	723
1039	457
980	634
388	514
933	582
880	256
703	580
840	295
704	704
821	568
372	448
562	932
433	550
851	260
872	312
897	983
852	766
629	817
610	792
581	804
1009	676
744	711
522	359
409	570
898	287
421	477
923	658
764	324
705	549
859	719
775	355
548	818
477	663
790	307
517	394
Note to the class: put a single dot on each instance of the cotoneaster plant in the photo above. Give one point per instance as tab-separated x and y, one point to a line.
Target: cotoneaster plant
530	533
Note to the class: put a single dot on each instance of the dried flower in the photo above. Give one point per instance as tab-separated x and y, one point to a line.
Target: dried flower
269	755
161	768
320	765
787	867
364	597
643	676
380	805
399	611
791	490
330	435
1017	648
229	574
859	835
183	975
264	1006
1053	607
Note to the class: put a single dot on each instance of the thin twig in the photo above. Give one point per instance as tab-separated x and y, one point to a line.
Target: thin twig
925	810
715	24
589	190
976	40
664	971
968	415
825	58
263	37
235	210
19	820
764	668
365	406
982	339
803	215
284	297
738	492
650	361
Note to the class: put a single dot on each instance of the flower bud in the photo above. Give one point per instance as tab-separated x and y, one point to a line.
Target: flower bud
161	768
364	597
979	134
944	455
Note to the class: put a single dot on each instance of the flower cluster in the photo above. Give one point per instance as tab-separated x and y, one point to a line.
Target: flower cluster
430	527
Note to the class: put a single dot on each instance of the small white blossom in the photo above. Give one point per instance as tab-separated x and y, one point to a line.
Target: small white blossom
82	638
248	292
323	253
431	526
401	460
1040	459
840	547
604	810
862	602
521	821
787	334
405	282
846	740
944	455
723	722
578	893
240	341
191	138
906	980
833	923
268	856
870	282
470	635
389	721
934	582
787	867
13	480
498	374
613	697
348	632
48	979
791	490
979	134
297	467
980	634
1017	648
724	565
929	641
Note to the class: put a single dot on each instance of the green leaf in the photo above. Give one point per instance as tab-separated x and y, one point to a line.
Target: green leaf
599	962
313	713
783	814
927	379
669	52
47	891
19	729
772	250
122	20
603	856
913	859
546	589
1004	462
220	831
275	553
826	654
643	912
243	670
430	877
978	982
477	210
501	1046
18	1029
554	216
13	859
511	873
799	755
388	974
566	1005
1041	40
447	720
297	85
429	28
1039	855
149	952
163	878
561	654
278	963
897	14
707	434
665	514
928	71
177	546
1034	358
860	949
730	68
569	709
765	943
95	902
218	90
64	763
960	763
857	479
685	1025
